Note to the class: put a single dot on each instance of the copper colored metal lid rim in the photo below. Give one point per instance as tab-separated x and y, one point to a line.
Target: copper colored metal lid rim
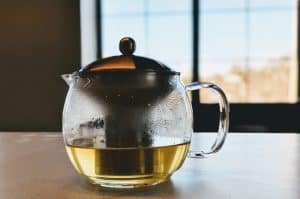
103	72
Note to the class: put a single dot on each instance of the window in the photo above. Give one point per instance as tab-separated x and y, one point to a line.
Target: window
162	30
248	47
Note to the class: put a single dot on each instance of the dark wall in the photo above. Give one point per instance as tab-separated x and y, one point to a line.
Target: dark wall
39	40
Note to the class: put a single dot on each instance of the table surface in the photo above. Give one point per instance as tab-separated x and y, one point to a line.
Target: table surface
256	165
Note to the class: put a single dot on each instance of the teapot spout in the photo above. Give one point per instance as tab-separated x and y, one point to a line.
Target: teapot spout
68	78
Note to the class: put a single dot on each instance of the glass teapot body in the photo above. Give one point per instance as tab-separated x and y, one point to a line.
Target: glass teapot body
122	132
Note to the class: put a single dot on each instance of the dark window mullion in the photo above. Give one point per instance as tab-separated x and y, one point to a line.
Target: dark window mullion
196	55
99	28
298	46
195	50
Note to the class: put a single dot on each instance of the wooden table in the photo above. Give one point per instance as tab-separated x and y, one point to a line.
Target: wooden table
35	166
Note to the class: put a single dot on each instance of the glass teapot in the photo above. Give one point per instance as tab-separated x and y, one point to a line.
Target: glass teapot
127	120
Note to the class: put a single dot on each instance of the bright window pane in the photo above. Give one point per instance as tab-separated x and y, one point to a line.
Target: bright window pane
250	51
211	5
222	44
120	7
161	29
116	28
272	3
169	6
172	49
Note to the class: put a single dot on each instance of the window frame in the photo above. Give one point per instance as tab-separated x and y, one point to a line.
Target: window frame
244	117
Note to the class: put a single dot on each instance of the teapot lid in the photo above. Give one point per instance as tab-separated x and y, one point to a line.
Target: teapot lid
126	62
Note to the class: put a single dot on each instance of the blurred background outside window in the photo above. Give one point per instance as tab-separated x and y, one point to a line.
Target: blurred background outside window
247	47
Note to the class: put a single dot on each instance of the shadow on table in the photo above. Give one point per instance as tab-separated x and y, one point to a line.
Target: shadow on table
163	189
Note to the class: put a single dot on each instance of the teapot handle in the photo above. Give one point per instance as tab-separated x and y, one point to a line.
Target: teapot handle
224	118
